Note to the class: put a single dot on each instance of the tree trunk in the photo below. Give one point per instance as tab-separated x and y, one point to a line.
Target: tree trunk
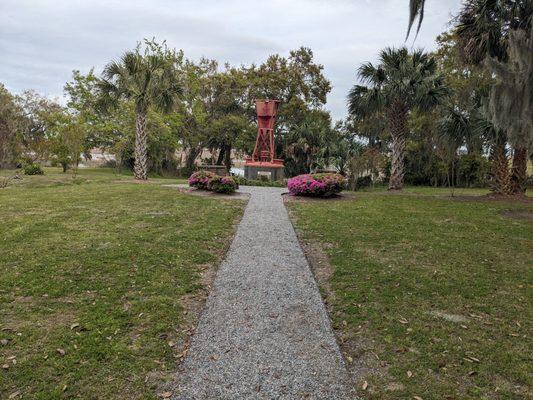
221	155
227	158
140	170
190	159
397	117
500	167
519	172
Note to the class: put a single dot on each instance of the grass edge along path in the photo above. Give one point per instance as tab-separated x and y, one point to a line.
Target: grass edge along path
95	283
430	297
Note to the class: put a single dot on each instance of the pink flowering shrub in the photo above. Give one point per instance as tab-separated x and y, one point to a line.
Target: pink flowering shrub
319	185
200	179
222	184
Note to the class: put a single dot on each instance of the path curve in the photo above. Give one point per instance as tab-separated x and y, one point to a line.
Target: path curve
264	333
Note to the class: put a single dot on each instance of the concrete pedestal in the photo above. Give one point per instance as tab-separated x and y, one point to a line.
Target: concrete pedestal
274	172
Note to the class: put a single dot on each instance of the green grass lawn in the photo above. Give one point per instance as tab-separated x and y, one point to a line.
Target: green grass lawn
430	296
55	177
95	276
439	191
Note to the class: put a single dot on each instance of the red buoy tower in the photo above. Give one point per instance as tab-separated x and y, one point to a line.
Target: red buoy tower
263	160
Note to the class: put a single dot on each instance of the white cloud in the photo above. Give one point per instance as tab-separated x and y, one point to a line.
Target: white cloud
41	42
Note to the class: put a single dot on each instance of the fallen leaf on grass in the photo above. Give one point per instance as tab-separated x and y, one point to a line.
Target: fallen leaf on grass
409	374
5	366
165	395
61	352
182	354
401	350
13	395
403	321
365	385
417	398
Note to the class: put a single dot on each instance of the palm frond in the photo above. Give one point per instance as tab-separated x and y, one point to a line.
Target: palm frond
453	129
363	101
401	79
368	73
147	78
112	69
109	95
416	10
392	58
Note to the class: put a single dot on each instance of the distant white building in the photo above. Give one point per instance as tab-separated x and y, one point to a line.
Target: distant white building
98	158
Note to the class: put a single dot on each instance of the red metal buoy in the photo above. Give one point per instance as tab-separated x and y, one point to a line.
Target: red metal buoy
263	159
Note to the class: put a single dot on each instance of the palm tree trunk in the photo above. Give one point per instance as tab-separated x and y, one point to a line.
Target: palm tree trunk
519	172
397	116
140	169
500	167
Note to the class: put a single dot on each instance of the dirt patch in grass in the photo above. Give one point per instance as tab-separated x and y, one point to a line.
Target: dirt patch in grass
491	197
194	303
287	197
360	358
205	193
518	214
318	260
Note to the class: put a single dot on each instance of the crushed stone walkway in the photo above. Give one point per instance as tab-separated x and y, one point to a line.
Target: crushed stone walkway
264	333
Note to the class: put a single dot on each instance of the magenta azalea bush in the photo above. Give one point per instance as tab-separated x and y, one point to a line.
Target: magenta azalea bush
222	184
200	180
319	185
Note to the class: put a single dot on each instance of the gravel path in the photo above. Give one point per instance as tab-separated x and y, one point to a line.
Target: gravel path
264	333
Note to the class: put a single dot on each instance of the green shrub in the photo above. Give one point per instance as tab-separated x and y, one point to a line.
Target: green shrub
363	181
33	169
222	184
472	170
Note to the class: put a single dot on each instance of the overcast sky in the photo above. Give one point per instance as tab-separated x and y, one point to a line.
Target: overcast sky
42	41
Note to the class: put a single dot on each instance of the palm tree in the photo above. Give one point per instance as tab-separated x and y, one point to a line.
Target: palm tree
511	103
400	82
498	34
147	79
307	142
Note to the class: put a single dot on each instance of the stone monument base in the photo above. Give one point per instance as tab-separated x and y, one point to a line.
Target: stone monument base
254	170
